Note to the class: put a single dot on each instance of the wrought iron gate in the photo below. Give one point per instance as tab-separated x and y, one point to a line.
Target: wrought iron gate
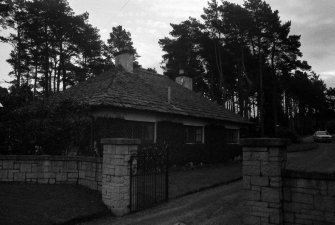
148	176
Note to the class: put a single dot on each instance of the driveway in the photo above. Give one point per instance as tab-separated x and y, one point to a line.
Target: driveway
221	205
319	160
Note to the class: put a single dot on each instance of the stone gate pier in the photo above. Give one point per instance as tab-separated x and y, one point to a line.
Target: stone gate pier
263	162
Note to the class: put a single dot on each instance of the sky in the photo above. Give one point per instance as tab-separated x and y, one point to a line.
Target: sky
149	20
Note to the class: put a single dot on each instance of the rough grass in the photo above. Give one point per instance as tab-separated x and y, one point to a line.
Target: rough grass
37	204
186	181
304	146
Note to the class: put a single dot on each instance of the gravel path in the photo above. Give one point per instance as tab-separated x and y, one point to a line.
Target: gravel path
221	205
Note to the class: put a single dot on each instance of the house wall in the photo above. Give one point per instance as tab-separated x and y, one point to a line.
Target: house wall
137	115
213	150
171	129
160	118
52	170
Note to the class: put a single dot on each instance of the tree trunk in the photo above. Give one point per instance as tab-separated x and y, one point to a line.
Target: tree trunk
46	61
35	80
64	78
60	65
261	95
274	90
19	49
55	77
219	67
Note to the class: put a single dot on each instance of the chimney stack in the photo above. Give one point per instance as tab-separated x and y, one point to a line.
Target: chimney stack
185	81
125	59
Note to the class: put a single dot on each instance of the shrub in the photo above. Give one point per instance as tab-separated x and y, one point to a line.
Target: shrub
284	132
53	129
331	126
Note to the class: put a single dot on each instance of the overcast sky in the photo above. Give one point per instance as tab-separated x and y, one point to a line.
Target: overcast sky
149	20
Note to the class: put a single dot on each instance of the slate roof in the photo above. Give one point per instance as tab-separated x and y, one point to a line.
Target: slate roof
143	90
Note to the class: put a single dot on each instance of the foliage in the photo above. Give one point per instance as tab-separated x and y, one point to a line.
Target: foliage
120	40
53	48
245	58
6	9
330	126
48	128
283	132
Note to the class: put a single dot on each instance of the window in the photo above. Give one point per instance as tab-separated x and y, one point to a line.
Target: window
147	132
193	134
232	136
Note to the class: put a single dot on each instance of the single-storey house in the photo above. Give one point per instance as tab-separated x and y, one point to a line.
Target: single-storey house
135	103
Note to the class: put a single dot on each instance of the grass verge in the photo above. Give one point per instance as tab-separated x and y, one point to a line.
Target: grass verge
300	147
200	178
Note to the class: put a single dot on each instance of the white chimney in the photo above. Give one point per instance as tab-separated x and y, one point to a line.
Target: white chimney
125	59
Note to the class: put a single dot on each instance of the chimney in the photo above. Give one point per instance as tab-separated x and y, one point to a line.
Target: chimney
185	81
125	59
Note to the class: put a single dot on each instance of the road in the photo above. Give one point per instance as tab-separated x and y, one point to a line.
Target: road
319	160
221	205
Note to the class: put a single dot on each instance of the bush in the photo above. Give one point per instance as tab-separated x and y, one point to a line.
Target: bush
331	126
53	129
284	132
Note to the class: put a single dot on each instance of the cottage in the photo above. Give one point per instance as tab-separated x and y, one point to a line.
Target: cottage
135	103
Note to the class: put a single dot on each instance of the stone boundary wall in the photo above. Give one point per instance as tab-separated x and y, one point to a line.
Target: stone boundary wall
86	171
110	174
309	198
276	195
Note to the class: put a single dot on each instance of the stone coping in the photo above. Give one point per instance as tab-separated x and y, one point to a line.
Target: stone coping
309	175
120	141
50	158
264	142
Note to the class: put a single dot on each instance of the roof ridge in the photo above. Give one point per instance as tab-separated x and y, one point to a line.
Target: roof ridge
149	72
